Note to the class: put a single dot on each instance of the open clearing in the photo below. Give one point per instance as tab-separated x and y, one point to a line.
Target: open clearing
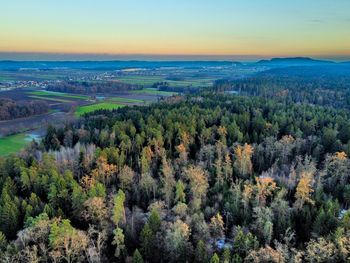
49	99
150	80
190	83
12	144
140	80
99	106
125	100
45	93
153	91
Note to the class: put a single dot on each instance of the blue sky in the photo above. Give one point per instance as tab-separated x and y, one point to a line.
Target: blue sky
251	28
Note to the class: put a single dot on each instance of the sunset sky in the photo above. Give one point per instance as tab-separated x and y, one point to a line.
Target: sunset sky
225	28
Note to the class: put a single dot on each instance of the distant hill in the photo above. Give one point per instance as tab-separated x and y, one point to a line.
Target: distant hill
109	65
322	71
294	61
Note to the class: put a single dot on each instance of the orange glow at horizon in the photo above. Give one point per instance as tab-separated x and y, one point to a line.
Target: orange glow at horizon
226	27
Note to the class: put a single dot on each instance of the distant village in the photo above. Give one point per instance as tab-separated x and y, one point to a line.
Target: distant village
7	85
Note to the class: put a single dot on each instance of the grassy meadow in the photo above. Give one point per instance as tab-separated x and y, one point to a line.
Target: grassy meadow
12	144
153	91
81	110
150	80
44	93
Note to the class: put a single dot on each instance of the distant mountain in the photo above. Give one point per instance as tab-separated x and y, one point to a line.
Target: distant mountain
294	61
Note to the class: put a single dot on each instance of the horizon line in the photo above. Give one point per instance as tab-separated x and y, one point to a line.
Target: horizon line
73	56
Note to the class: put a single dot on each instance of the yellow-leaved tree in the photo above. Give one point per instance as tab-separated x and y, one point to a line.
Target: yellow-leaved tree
243	163
304	190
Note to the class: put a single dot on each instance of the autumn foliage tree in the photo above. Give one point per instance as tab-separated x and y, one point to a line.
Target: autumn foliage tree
243	163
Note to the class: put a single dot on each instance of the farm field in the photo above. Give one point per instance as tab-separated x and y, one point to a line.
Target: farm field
125	100
29	82
69	106
13	143
49	99
140	80
191	82
81	110
45	93
150	80
153	91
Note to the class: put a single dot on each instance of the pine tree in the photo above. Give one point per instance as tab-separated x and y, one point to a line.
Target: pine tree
237	259
136	257
200	253
154	221
215	258
226	255
9	212
147	241
180	192
3	241
319	224
118	210
118	241
168	182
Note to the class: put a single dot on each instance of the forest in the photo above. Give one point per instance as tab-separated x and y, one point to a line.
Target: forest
198	178
10	109
165	86
86	87
321	85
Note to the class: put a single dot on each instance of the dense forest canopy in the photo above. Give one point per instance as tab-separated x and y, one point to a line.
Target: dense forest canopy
165	86
10	109
322	85
88	87
203	178
93	87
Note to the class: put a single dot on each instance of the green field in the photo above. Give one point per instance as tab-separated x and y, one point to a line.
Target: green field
125	100
49	98
191	83
140	80
12	144
150	80
99	106
45	93
153	91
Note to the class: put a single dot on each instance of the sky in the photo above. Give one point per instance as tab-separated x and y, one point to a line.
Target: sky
237	29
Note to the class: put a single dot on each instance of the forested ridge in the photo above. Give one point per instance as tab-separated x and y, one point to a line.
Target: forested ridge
202	178
321	85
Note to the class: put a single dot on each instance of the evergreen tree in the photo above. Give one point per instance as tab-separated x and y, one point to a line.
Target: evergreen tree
136	257
200	253
3	241
147	241
180	192
226	255
154	221
9	211
118	241
118	210
215	258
